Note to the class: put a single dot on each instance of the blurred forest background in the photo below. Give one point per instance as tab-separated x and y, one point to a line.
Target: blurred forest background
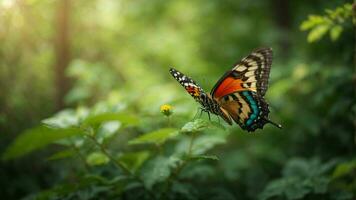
82	83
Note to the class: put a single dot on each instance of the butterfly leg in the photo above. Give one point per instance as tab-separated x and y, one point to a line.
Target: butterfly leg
209	116
201	112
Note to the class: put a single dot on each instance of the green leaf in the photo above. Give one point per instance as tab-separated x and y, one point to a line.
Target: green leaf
199	172
133	161
63	119
311	22
155	137
289	187
107	130
195	126
204	143
332	20
335	32
273	189
37	138
200	125
217	125
97	158
205	157
87	187
220	193
344	169
298	167
318	32
320	185
342	195
187	190
301	177
307	168
105	117
234	163
295	190
157	170
62	154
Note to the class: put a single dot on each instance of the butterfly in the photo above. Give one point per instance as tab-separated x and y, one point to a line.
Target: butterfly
238	96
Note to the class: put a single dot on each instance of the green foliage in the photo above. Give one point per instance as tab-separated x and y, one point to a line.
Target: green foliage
344	169
62	154
204	157
300	177
332	22
37	138
88	187
134	160
97	158
88	83
63	119
105	117
156	137
204	143
199	125
127	129
158	170
343	178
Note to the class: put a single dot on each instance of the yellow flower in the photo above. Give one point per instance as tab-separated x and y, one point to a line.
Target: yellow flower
166	109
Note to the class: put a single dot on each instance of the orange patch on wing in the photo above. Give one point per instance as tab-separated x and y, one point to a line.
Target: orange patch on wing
193	90
228	86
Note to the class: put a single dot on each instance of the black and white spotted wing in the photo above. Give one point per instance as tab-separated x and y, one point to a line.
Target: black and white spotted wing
189	85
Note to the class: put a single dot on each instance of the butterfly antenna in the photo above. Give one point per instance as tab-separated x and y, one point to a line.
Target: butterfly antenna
275	124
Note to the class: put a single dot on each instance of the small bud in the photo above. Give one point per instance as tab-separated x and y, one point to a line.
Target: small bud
166	110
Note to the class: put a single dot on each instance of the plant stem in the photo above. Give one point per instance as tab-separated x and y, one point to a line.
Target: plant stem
81	156
112	159
192	138
179	168
169	121
119	165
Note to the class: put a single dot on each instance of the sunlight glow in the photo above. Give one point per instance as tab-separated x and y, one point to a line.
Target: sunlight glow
7	4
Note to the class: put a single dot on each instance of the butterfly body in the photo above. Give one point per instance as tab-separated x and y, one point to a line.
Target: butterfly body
208	104
239	94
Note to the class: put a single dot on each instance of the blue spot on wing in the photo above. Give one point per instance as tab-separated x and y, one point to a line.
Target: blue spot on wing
253	105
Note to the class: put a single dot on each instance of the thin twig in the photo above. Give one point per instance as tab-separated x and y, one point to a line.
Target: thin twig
81	156
192	138
180	167
169	121
119	165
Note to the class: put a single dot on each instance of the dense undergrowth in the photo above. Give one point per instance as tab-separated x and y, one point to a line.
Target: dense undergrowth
130	131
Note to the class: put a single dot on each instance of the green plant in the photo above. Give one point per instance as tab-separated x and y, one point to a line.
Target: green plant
113	143
332	22
141	164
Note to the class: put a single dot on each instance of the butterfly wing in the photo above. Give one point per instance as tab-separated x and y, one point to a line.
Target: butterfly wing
247	109
251	73
199	95
189	84
241	90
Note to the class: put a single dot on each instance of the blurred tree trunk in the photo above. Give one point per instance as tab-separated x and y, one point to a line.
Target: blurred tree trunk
62	51
282	19
354	76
